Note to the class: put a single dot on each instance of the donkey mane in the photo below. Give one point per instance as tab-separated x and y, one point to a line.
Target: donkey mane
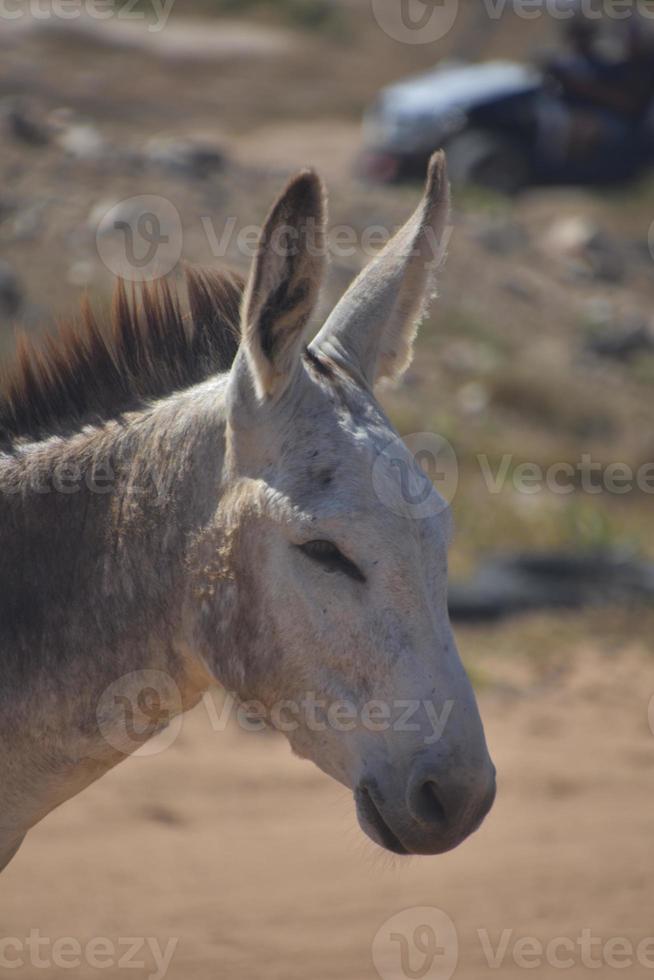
147	348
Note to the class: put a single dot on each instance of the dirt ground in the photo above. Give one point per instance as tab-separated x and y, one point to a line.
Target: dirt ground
253	862
248	861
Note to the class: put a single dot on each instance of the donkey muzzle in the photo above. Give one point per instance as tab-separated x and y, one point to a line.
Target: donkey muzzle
434	813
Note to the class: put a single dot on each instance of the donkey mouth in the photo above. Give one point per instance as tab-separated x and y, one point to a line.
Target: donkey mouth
373	823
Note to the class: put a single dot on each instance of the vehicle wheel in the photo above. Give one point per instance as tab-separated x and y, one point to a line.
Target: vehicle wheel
487	161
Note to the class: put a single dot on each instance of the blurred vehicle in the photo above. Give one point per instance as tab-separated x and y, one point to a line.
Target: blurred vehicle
496	122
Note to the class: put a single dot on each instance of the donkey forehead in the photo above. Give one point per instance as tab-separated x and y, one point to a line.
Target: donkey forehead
335	454
332	430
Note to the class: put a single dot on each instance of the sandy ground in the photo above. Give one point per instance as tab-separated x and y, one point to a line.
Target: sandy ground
252	861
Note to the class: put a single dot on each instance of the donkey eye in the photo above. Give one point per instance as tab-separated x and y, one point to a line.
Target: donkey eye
331	559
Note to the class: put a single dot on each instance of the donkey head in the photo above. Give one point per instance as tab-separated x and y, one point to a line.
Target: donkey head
330	605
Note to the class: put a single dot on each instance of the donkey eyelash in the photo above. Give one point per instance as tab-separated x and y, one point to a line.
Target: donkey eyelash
331	558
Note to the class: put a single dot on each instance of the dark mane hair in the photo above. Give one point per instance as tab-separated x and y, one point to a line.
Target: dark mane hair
148	348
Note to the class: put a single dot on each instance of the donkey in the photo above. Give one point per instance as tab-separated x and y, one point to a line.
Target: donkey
187	501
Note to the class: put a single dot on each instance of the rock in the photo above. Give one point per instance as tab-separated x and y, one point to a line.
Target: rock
515	583
196	158
11	294
22	122
622	342
586	251
569	236
502	236
83	141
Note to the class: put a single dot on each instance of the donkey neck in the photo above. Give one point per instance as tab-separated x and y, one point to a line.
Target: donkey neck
97	526
95	532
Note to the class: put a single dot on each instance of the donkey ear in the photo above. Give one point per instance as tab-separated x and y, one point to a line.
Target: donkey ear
373	327
284	283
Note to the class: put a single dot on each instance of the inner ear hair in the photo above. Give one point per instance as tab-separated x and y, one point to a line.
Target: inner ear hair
285	282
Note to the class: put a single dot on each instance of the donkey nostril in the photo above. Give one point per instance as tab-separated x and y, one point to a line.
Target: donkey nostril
427	806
